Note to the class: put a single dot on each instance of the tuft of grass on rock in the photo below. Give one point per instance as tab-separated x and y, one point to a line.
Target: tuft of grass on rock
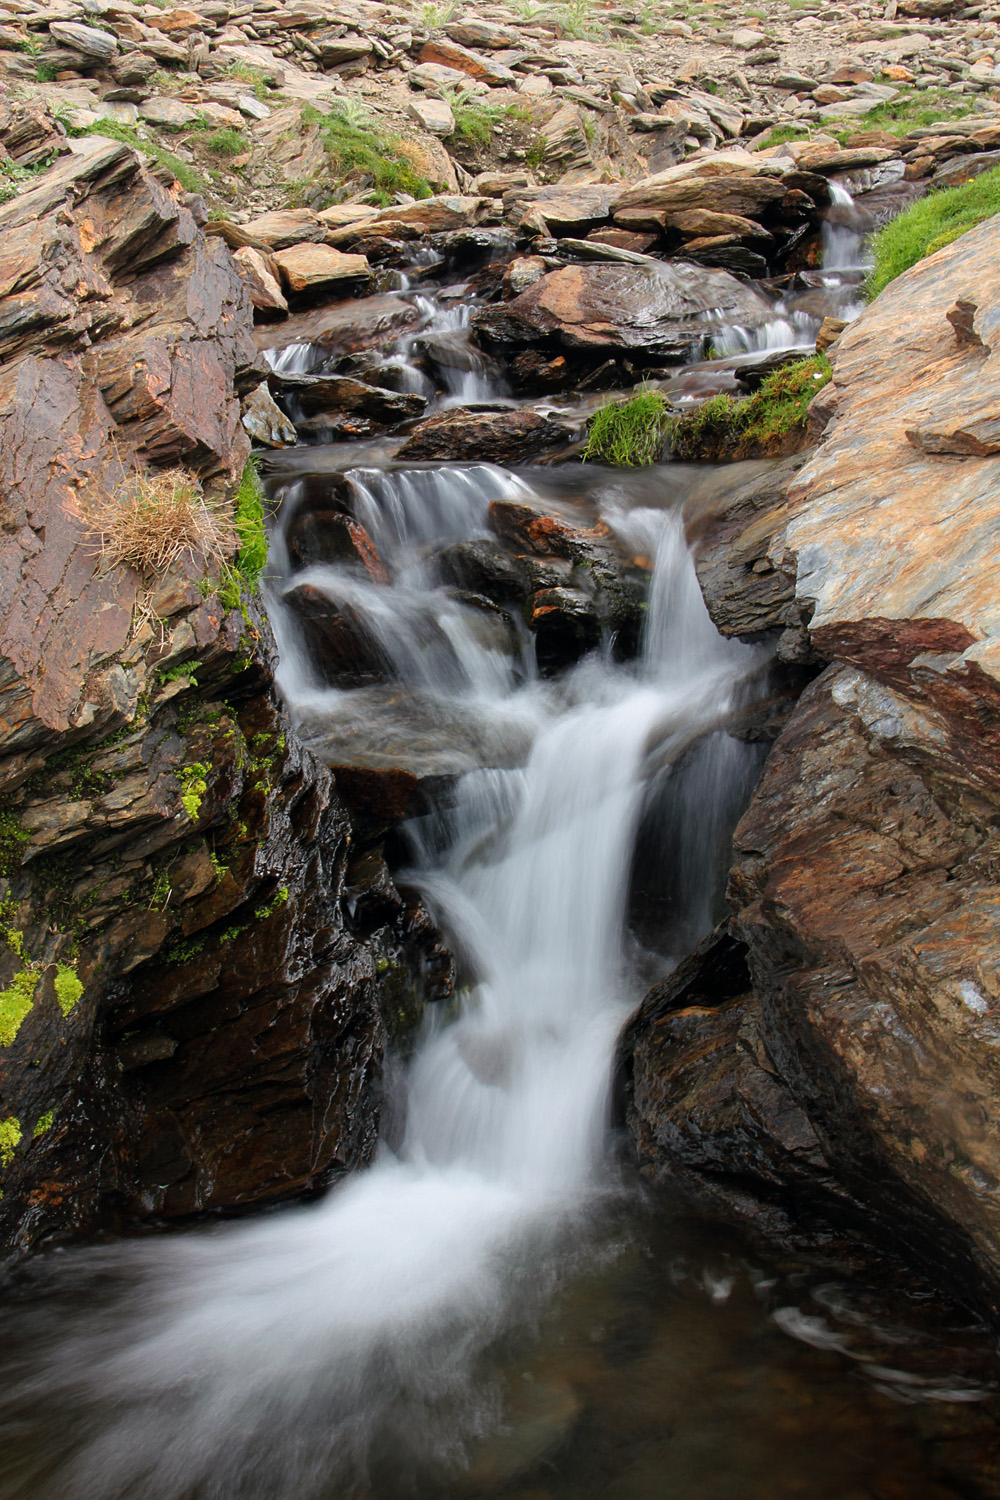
929	225
628	434
358	151
152	521
761	424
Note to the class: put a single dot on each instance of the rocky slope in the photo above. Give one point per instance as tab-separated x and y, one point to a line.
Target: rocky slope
836	1041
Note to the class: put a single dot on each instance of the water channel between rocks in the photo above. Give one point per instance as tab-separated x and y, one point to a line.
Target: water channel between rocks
493	1307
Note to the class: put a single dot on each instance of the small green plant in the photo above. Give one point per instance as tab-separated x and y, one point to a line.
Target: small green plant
358	151
194	785
43	1123
536	153
13	838
246	73
628	434
10	1139
228	142
15	1003
160	897
278	899
178	670
929	225
67	987
434	16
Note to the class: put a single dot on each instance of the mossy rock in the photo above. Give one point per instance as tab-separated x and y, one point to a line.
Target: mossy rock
772	423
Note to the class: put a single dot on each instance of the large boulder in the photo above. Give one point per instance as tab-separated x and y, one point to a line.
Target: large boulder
659	309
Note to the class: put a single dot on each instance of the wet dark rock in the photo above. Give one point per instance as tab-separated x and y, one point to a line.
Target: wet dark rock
565	624
473	435
315	394
344	327
656	310
487	568
329	536
585	585
341	652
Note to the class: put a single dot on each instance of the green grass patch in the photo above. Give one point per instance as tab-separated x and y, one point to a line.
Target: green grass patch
756	423
255	79
929	225
358	151
249	521
628	434
228	142
113	130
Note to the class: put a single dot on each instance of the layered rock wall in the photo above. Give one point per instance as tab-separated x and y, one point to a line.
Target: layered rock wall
200	961
864	893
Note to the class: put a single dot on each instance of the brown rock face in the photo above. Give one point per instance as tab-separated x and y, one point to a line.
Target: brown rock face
864	889
123	331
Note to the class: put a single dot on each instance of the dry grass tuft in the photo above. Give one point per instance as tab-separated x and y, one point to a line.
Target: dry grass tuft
152	522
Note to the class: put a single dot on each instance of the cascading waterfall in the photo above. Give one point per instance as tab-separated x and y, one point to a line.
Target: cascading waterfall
843	260
295	1353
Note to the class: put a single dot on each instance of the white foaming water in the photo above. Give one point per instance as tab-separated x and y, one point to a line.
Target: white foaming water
288	1357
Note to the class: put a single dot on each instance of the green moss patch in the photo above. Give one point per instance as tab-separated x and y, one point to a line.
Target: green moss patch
10	1139
629	434
43	1123
15	1003
929	225
768	423
67	987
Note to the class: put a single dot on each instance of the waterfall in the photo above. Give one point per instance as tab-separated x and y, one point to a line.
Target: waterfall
303	1353
843	260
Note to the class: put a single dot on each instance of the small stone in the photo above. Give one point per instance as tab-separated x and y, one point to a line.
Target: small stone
432	114
265	422
258	274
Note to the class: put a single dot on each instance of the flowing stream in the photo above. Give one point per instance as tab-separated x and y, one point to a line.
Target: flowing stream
361	1346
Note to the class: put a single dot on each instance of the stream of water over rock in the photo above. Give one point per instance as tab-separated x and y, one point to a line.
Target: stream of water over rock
490	1308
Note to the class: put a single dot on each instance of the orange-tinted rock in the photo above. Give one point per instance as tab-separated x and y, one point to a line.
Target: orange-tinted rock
449	54
151	324
314	268
259	276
